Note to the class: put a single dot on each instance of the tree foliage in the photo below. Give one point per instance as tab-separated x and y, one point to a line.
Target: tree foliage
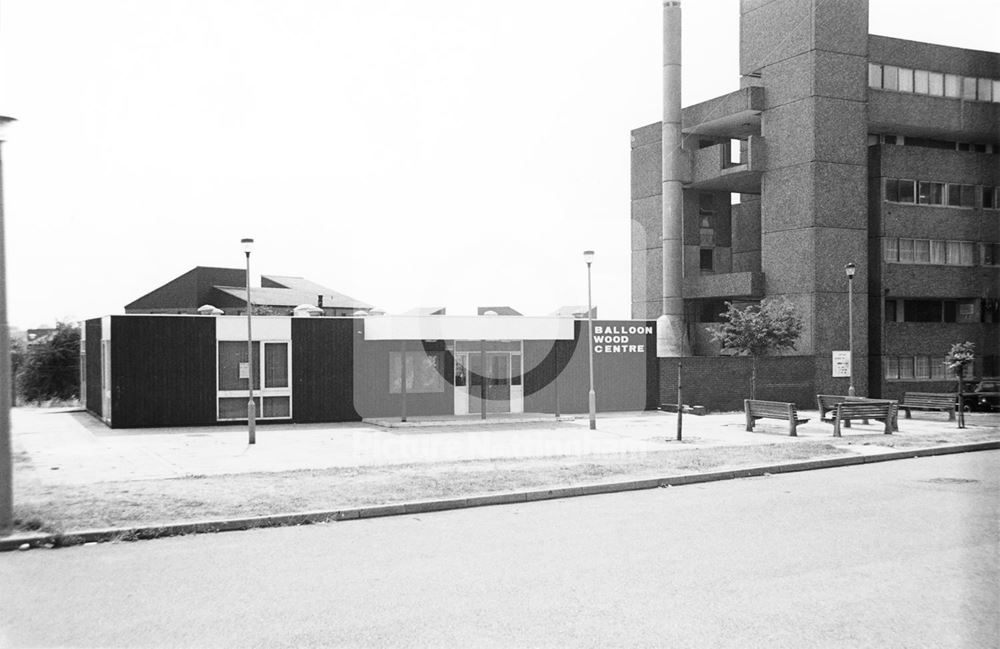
960	356
758	329
50	369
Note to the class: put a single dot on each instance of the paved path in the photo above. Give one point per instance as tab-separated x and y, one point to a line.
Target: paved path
67	447
893	555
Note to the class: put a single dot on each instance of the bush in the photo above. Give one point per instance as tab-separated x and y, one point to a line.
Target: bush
50	369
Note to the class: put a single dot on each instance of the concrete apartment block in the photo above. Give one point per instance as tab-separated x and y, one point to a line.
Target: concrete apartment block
842	147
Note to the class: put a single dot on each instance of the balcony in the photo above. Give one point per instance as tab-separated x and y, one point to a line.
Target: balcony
733	166
747	284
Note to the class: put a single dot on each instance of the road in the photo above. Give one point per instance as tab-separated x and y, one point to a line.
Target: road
898	554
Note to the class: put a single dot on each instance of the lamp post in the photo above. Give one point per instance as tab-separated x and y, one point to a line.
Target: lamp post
849	269
588	256
251	406
6	461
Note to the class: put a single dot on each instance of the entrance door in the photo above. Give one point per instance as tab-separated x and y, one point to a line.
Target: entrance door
495	379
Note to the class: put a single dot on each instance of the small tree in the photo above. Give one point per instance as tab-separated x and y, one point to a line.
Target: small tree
959	357
755	330
50	369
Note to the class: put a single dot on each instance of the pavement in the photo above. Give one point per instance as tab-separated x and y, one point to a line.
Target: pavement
69	446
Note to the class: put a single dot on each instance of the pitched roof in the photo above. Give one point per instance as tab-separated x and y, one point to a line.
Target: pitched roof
331	298
286	297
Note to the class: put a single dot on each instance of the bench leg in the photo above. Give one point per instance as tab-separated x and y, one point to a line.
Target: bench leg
951	415
791	422
907	411
888	425
746	409
836	426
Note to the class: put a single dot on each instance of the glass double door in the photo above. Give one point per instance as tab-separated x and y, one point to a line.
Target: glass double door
495	386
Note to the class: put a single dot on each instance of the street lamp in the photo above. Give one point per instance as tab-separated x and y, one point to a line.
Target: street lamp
849	269
251	406
6	460
588	256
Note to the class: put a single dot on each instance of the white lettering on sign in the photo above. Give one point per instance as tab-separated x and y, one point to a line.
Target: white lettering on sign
614	339
841	363
630	330
244	370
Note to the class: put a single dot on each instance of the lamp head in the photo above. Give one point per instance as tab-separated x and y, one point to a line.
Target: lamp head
4	122
849	269
247	245
588	256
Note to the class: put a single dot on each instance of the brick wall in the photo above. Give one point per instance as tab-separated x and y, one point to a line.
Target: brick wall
721	383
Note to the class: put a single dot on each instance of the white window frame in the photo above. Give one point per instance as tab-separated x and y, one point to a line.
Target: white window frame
261	393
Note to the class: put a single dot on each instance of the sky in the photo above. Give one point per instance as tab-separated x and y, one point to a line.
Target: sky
448	153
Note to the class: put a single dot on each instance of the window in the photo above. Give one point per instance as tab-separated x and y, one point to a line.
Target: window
936	82
984	89
921	367
874	75
950	311
952	85
921	82
892	190
960	253
274	399
906	367
424	372
890	310
921	310
890	249
996	91
515	369
938	368
939	254
892	367
989	254
906	251
705	259
905	80
921	251
969	88
931	193
989	197
907	191
955	194
890	77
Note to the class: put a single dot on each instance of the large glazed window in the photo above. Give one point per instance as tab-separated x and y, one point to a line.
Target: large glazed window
423	372
272	386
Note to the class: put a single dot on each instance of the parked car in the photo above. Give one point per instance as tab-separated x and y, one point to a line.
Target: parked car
985	397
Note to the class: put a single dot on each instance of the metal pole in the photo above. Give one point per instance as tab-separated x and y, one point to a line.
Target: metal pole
6	461
251	406
850	332
482	379
402	386
680	403
591	397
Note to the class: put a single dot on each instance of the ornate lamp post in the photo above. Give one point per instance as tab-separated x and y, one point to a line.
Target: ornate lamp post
849	269
251	406
588	256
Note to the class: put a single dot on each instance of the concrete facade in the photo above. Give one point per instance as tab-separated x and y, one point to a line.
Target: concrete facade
829	122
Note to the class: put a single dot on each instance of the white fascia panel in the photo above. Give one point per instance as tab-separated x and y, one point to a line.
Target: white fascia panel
106	328
234	327
467	328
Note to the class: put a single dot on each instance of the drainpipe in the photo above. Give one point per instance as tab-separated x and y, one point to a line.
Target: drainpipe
671	332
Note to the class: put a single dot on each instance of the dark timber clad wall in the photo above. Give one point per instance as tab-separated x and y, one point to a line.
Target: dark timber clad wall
164	371
323	369
93	347
622	380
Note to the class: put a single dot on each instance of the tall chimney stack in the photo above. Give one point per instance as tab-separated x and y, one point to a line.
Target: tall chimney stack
671	332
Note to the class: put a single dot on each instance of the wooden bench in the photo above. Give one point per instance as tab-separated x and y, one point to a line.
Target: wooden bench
755	410
879	410
929	401
827	402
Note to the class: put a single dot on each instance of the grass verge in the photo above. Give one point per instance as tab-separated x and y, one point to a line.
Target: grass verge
150	502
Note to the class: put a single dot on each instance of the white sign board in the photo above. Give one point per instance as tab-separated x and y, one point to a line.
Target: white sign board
244	370
842	363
